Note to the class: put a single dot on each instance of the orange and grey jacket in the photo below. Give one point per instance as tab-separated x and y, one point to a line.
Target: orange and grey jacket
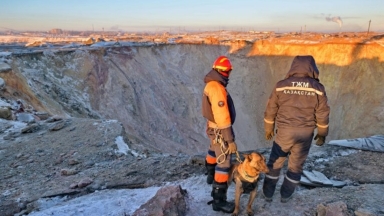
300	100
217	105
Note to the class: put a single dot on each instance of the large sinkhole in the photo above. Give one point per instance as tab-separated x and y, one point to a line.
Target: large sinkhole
155	91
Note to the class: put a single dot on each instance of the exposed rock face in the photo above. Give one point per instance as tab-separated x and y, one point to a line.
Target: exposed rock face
155	91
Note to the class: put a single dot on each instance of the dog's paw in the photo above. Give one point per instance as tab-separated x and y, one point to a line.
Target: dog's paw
250	212
235	212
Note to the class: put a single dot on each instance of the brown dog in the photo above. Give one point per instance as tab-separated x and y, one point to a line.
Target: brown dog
246	176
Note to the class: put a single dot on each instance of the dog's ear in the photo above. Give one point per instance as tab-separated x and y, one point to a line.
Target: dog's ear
262	160
246	156
258	157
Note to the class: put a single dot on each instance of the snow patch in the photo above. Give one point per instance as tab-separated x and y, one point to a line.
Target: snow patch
16	125
106	202
123	148
121	145
4	54
111	121
6	193
4	103
4	67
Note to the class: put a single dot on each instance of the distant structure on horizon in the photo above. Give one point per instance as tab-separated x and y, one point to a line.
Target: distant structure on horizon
56	31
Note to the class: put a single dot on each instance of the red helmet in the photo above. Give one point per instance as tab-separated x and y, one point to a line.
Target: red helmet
222	64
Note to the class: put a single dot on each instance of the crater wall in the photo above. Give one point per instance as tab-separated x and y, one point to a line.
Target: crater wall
155	91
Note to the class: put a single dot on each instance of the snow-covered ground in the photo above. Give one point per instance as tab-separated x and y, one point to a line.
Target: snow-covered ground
126	201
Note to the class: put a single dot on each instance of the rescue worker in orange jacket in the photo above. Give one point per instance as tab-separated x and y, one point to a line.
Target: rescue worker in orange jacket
219	110
297	105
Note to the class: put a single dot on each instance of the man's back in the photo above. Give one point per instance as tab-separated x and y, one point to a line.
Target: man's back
299	100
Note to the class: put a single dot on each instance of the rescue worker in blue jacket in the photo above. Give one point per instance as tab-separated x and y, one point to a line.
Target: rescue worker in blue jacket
219	110
297	106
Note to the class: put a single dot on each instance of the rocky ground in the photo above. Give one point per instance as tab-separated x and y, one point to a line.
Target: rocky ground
74	157
80	157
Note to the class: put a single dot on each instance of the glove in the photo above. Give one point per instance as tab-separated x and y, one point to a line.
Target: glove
320	140
269	128
269	135
232	147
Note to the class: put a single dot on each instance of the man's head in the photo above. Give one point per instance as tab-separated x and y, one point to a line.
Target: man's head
223	66
305	66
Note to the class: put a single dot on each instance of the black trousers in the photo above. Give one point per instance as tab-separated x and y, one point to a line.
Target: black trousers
292	144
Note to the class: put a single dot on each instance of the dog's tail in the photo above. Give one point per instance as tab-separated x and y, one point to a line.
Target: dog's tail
210	202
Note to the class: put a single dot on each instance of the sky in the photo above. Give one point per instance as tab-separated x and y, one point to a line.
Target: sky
193	15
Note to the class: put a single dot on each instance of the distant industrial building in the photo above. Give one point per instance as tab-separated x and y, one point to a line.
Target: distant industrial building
56	31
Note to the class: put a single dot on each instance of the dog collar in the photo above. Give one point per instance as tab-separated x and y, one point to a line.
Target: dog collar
247	177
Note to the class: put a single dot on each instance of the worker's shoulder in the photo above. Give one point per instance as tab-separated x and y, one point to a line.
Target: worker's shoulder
214	84
213	87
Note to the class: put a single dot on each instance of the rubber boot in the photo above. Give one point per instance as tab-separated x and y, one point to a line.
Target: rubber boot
287	189
270	182
210	172
219	194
